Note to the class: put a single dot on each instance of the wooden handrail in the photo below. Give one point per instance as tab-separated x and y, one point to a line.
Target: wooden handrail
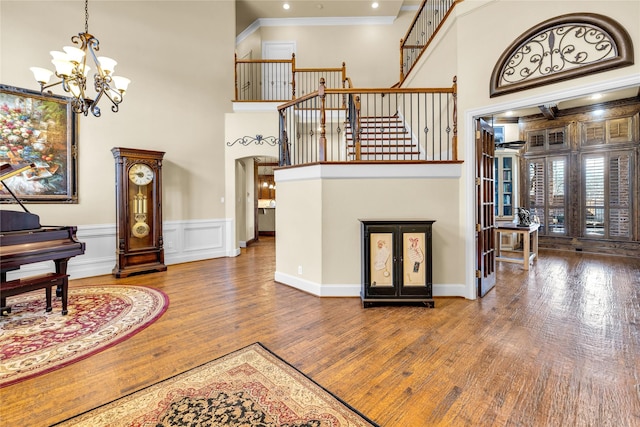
263	61
422	48
415	19
392	90
295	72
318	104
310	95
297	100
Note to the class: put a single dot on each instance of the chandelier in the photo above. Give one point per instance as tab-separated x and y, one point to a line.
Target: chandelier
72	70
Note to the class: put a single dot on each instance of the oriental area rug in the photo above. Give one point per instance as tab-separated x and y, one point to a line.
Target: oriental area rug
34	342
249	387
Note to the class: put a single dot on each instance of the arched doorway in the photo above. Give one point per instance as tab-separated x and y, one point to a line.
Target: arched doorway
255	198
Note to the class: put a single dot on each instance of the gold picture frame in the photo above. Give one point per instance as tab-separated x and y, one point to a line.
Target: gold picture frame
40	130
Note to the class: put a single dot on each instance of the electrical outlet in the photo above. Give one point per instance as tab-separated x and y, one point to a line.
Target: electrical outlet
299	269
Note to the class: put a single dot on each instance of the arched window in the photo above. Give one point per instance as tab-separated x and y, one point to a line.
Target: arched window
561	48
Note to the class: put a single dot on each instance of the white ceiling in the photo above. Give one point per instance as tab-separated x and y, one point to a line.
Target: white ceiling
582	101
247	11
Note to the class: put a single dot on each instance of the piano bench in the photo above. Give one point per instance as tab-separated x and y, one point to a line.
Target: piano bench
28	284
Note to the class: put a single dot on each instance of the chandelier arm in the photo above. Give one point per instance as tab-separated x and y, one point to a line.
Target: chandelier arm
44	86
114	100
73	76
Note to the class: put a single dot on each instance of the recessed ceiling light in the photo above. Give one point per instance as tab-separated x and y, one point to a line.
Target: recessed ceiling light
598	112
319	6
596	96
509	113
286	6
375	5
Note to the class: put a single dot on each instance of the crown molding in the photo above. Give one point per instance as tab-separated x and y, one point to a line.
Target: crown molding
315	21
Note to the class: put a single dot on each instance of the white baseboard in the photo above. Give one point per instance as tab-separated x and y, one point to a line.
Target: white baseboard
333	290
184	241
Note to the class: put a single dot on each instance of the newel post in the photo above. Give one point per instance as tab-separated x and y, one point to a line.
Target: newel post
322	148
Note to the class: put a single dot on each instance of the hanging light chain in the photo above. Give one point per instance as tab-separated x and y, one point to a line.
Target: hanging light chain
86	16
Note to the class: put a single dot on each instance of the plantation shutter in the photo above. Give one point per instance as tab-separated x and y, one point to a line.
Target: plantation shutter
620	195
607	195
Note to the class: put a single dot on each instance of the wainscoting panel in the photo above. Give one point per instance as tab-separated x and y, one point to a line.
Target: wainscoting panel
184	241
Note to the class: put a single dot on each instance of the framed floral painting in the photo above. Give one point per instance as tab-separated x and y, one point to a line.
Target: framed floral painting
40	131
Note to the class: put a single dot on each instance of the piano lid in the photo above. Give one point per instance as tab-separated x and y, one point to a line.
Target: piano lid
14	220
8	170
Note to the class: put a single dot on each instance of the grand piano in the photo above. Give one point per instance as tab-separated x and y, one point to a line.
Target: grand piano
24	241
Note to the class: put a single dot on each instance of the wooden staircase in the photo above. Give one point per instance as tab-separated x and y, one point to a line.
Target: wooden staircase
382	138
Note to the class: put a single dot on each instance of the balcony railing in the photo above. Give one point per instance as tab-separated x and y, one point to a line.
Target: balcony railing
425	25
390	125
279	80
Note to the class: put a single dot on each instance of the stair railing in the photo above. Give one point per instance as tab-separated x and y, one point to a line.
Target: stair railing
429	19
279	80
375	125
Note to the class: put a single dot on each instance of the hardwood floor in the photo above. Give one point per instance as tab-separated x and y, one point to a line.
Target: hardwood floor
558	345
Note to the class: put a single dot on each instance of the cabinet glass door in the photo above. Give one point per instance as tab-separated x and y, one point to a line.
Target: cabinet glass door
414	243
413	248
381	260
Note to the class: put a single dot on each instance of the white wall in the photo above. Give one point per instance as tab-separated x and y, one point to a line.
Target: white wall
362	46
179	56
254	120
318	242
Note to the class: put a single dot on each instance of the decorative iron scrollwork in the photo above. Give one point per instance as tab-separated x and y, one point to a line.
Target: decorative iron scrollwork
558	49
561	48
258	140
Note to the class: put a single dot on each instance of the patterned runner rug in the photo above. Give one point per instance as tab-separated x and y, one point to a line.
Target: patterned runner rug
249	387
33	342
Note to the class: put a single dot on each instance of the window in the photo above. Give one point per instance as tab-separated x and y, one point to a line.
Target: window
594	196
607	195
547	189
585	190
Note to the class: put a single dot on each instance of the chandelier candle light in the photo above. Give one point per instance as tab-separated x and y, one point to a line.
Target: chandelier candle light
71	67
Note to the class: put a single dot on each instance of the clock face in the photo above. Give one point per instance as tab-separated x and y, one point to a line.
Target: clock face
141	174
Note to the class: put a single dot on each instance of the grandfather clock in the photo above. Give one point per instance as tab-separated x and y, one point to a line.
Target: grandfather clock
138	211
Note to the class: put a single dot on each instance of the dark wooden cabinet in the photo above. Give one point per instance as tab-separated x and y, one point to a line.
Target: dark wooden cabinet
396	262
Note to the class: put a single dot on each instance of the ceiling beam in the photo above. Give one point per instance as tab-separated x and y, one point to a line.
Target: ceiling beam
549	111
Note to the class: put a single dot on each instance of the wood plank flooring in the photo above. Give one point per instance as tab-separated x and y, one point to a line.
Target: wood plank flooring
558	345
